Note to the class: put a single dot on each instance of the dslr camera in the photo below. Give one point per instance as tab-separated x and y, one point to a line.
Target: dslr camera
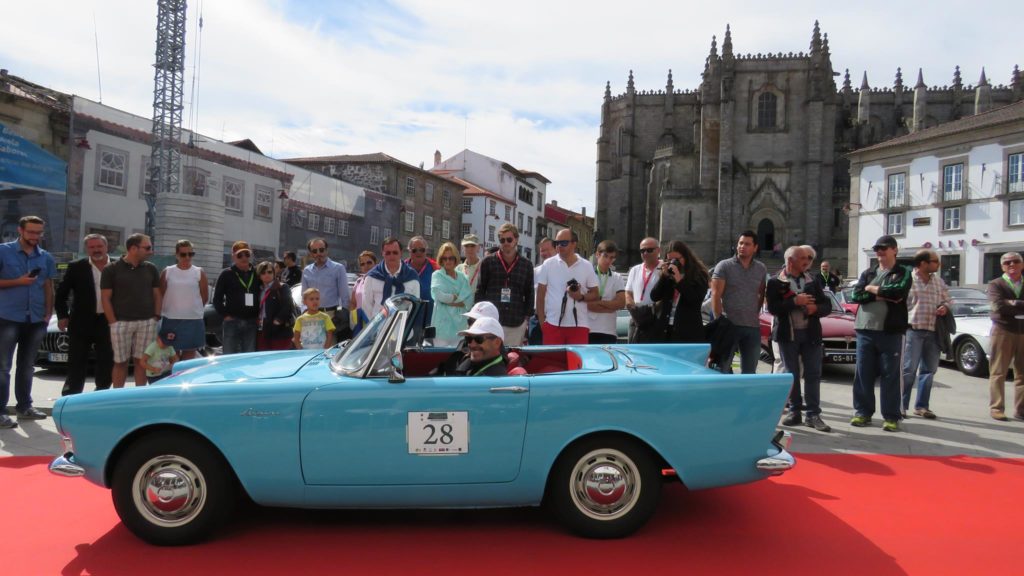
573	284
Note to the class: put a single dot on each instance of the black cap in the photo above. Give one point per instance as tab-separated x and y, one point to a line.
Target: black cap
884	242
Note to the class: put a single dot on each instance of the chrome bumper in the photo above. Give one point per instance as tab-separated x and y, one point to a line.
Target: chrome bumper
778	463
65	466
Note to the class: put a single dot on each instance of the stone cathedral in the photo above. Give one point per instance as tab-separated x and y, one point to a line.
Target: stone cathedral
759	145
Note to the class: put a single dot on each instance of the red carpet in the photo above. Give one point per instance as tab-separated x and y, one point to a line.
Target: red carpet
833	514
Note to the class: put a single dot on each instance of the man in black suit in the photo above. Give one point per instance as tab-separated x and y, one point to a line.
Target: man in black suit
86	325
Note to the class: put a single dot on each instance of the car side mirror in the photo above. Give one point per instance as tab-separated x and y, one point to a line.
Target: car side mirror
395	376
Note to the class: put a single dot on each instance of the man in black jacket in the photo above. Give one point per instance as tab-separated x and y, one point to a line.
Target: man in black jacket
797	301
829	278
234	297
84	321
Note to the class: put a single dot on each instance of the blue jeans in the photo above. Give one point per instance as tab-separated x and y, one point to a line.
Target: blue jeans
921	351
879	357
239	335
748	341
26	336
802	352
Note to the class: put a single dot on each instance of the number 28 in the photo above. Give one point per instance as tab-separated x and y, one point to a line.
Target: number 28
445	436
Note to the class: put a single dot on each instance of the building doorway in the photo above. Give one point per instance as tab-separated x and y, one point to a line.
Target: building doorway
950	270
766	235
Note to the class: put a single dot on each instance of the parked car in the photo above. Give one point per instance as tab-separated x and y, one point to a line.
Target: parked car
971	349
588	430
837	334
845	298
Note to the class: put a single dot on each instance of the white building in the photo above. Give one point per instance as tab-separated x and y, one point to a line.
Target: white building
516	195
957	188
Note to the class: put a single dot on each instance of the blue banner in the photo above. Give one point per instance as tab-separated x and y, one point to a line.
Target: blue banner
25	165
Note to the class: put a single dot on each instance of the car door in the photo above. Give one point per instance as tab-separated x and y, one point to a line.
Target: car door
432	430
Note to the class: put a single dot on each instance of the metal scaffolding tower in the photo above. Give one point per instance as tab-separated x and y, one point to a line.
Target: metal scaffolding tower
168	91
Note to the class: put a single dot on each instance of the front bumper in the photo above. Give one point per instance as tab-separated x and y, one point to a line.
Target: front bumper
778	463
65	466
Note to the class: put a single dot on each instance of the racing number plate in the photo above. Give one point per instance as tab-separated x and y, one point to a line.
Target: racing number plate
438	433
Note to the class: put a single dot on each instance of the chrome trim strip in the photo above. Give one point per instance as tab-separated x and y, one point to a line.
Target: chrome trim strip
65	466
512	389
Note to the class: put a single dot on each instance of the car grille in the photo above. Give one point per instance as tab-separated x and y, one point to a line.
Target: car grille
835	345
55	342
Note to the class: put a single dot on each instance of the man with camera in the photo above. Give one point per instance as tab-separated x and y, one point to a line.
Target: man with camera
562	312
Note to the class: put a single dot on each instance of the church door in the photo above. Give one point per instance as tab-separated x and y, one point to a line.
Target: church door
766	235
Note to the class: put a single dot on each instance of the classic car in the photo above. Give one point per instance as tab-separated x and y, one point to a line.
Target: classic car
591	431
837	334
971	349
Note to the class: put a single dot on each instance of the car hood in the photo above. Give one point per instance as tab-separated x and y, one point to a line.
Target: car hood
976	325
838	326
241	367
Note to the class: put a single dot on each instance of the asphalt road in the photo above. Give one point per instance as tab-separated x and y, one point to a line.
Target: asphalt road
963	426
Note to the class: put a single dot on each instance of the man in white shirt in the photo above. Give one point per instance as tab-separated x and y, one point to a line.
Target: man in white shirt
471	265
567	282
642	279
611	296
389	277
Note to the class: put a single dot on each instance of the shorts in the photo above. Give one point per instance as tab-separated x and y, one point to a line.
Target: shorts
188	334
129	338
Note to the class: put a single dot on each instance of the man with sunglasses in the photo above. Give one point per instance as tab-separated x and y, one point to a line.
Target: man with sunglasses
132	303
485	339
927	301
1007	335
331	279
564	286
292	274
882	320
641	280
390	277
79	307
506	280
236	297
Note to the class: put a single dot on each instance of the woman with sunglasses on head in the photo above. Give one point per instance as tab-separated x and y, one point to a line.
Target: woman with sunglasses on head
450	290
678	295
185	290
276	315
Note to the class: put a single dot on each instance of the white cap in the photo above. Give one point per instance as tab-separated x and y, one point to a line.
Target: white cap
485	325
482	309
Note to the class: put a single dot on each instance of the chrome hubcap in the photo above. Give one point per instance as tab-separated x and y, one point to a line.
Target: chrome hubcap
169	490
969	356
605	484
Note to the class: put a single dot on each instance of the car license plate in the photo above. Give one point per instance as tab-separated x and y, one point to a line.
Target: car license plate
58	357
840	358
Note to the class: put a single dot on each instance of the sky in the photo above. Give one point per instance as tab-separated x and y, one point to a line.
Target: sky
519	81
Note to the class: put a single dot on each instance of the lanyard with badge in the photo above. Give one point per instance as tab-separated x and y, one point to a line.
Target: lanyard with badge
602	281
506	292
647	279
250	300
488	365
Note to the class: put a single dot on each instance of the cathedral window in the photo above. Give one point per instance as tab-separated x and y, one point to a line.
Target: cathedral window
767	104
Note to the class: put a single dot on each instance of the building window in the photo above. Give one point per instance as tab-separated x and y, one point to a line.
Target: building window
894	224
467	229
467	205
529	225
1015	173
146	186
112	169
264	202
951	218
410	221
446	198
896	193
428	225
446	229
428	193
314	222
508	213
328	225
374	235
380	204
387	232
526	195
342	227
490	234
767	103
520	220
299	218
493	208
233	198
196	181
410	186
953	183
1016	212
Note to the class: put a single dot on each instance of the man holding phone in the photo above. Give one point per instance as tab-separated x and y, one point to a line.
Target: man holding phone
26	303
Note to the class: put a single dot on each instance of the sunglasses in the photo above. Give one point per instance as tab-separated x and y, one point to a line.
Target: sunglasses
561	243
647	250
317	250
508	240
479	338
1013	262
186	254
881	248
243	254
417	250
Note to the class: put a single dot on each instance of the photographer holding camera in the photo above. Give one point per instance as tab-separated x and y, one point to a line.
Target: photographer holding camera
678	295
562	312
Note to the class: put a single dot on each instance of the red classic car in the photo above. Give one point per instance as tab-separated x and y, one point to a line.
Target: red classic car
836	332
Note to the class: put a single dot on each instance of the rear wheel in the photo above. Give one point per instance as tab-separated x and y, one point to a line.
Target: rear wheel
172	488
605	487
970	358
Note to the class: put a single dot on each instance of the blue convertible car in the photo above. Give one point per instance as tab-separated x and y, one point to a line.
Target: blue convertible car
590	431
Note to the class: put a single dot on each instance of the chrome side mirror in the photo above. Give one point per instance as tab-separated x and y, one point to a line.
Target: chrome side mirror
395	375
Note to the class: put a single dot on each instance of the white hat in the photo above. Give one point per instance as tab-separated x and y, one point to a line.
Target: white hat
482	309
485	325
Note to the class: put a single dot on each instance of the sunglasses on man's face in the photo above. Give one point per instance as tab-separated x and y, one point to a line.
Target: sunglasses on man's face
243	254
647	250
1013	262
479	338
317	250
508	240
417	250
561	243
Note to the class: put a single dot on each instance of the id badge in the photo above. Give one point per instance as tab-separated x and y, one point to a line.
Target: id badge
506	295
250	299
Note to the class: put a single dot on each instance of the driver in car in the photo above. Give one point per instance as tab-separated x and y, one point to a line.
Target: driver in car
482	309
485	338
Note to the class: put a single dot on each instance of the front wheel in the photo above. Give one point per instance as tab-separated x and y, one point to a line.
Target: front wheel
604	487
970	358
171	488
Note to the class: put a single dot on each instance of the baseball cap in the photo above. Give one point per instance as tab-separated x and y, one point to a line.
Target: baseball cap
470	240
482	309
485	325
884	242
239	246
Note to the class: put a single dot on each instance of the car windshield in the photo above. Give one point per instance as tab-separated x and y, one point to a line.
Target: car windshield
974	308
356	354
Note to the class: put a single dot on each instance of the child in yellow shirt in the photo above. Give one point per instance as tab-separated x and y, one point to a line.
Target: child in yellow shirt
314	330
